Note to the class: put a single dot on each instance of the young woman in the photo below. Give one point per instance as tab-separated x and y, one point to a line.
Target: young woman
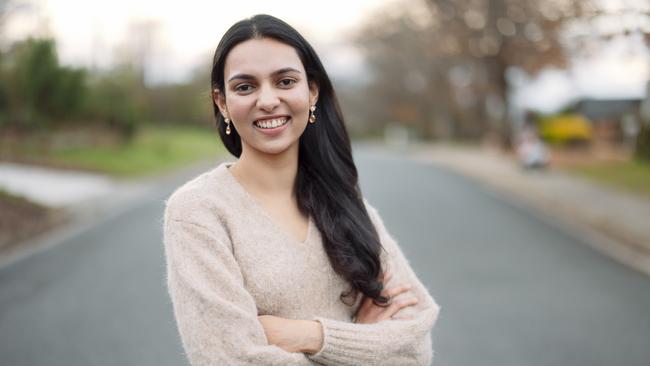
277	259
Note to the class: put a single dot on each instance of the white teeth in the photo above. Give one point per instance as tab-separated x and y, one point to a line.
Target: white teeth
271	123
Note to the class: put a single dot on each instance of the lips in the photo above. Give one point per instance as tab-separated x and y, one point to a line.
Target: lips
273	124
269	118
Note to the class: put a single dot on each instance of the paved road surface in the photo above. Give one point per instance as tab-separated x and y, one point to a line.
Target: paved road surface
514	290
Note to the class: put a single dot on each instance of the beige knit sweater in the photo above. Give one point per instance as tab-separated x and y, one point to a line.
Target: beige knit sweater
228	262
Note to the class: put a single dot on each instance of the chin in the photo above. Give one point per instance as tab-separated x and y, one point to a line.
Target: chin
277	148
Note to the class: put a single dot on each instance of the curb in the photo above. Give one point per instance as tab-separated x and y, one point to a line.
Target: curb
628	253
623	253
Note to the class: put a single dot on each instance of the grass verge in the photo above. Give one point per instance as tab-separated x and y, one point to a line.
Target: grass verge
633	175
154	149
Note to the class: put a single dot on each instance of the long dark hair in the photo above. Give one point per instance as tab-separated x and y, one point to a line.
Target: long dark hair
326	185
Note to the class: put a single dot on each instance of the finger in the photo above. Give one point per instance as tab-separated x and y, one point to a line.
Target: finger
394	291
403	318
398	305
363	303
402	303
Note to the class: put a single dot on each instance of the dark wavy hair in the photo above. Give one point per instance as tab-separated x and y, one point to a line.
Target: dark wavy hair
326	184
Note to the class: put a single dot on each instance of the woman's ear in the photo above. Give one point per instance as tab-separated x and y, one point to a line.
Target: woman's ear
220	100
313	93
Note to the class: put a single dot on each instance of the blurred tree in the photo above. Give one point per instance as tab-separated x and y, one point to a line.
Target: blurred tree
183	103
642	146
615	21
7	9
642	151
451	57
115	98
492	36
137	49
401	87
37	90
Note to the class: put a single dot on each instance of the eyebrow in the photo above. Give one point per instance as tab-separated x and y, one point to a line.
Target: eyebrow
274	73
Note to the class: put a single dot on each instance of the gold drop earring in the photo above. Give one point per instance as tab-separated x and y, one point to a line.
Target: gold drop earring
312	116
227	125
225	119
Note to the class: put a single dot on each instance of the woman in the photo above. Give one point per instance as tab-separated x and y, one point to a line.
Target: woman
277	259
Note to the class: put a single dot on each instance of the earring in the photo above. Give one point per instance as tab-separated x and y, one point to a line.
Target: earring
312	116
227	126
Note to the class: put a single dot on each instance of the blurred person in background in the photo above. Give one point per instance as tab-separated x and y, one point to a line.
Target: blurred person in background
277	258
531	151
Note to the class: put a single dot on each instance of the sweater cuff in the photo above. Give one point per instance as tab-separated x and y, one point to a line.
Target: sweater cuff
347	343
388	342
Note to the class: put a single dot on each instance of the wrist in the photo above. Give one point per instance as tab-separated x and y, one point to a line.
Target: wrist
313	340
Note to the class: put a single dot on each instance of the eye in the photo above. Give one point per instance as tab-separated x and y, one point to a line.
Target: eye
243	87
287	82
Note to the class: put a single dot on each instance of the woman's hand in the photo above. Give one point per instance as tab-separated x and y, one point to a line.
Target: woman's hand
370	313
292	335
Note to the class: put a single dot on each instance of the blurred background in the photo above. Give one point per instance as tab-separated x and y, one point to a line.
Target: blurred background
491	111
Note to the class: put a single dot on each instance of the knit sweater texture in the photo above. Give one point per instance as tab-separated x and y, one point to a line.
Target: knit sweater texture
228	261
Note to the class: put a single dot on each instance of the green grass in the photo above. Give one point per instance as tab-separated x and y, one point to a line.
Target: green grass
633	175
154	149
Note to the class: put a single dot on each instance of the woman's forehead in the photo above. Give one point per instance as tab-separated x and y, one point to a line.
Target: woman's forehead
261	57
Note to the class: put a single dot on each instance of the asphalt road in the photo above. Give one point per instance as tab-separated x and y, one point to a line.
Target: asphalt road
514	289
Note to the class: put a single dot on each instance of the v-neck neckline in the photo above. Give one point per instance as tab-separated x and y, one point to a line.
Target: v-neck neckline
263	210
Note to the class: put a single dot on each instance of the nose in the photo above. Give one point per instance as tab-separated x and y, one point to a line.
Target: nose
267	98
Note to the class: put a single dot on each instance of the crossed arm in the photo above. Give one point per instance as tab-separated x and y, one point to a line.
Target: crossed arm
219	324
306	336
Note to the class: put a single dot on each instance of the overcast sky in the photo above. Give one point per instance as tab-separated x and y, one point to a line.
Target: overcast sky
89	32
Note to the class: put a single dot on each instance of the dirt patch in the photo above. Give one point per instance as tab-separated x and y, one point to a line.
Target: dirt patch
21	220
594	154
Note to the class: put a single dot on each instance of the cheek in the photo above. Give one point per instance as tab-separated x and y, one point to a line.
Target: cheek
239	107
299	101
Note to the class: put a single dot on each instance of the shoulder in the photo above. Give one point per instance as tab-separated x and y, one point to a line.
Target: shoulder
368	206
373	214
387	241
198	200
377	222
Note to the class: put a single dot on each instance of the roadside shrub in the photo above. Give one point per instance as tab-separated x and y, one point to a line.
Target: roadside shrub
642	151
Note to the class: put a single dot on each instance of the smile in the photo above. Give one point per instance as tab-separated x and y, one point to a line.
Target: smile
272	123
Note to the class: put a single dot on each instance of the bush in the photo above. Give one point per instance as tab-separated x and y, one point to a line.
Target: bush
36	90
115	98
642	151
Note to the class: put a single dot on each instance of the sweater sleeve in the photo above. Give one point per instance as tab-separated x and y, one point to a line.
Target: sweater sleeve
215	314
397	341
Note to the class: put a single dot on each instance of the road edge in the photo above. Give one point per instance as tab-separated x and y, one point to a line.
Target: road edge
88	214
615	248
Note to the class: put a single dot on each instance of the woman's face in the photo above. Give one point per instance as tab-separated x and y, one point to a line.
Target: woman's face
267	96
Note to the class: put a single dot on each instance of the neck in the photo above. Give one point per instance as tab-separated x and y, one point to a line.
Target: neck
268	174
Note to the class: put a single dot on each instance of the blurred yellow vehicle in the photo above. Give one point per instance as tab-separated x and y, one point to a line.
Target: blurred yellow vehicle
566	128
